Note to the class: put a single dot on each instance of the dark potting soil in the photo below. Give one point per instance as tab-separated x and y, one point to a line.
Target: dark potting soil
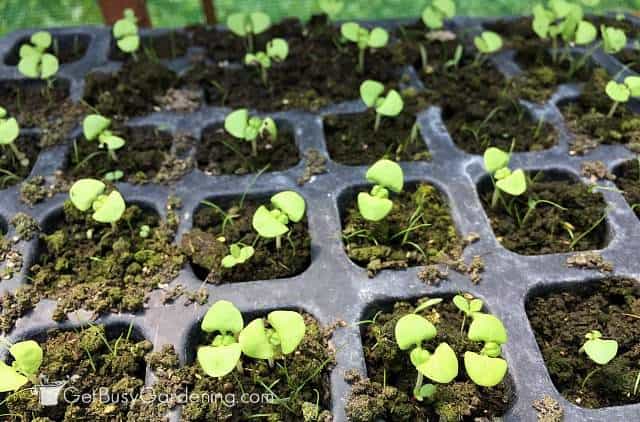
629	58
560	321
548	229
388	393
67	48
220	153
88	359
167	46
34	103
300	383
145	154
379	245
209	240
11	171
112	271
587	118
628	181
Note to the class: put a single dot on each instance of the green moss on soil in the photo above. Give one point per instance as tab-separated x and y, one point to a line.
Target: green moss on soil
628	181
387	393
560	320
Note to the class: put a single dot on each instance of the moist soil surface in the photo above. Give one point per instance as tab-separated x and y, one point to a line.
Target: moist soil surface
587	118
296	388
628	181
548	228
220	153
560	321
113	271
212	235
34	103
88	359
629	58
379	245
388	393
11	171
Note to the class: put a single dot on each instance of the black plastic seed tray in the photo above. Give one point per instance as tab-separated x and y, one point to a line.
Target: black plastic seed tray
334	288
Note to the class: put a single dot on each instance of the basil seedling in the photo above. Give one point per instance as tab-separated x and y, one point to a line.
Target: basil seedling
241	126
27	357
288	206
496	163
486	368
622	92
468	305
248	24
125	31
390	106
238	254
9	132
440	366
376	38
613	39
331	8
277	50
89	193
35	62
386	175
96	127
488	42
598	350
434	15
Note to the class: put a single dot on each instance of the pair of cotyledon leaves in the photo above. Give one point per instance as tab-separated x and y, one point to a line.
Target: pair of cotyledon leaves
88	193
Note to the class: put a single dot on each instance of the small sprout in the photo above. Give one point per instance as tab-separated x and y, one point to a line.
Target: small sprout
277	50
386	175
27	357
331	8
488	42
622	92
598	350
586	33
113	176
282	338
95	127
288	206
468	305
376	38
125	31
9	132
88	193
433	16
427	304
390	106
486	368
251	129
440	366
238	254
248	24
613	39
145	231
223	355
34	61
513	183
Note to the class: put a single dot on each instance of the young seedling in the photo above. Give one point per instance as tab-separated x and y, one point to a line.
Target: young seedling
440	366
331	8
468	305
288	206
35	62
622	92
238	254
496	163
613	39
125	31
277	50
145	231
27	357
434	15
251	129
488	42
9	132
95	127
376	38
390	106
486	368
89	193
386	175
248	24
599	351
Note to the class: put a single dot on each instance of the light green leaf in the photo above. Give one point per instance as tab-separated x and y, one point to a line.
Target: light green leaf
290	328
633	83
487	328
373	208
483	370
419	356
442	366
432	18
129	44
475	305
350	31
112	142
370	91
268	129
49	66
266	224
219	361
618	92
9	131
601	351
93	125
462	304
246	253
392	105
229	261
411	330
331	7
488	42
614	39
124	28
542	19
84	192
236	123
278	49
291	203
446	7
28	66
586	33
260	22
110	209
386	173
255	342
427	304
27	50
495	159
515	184
224	317
41	40
10	380
28	357
237	23
378	38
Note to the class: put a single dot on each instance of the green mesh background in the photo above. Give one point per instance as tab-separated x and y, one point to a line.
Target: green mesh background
15	14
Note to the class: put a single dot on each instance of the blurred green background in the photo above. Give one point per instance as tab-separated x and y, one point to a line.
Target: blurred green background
15	14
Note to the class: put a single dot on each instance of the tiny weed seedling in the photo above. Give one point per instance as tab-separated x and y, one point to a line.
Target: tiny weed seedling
434	15
96	127
277	50
125	31
514	183
486	368
9	132
599	351
27	359
440	366
488	42
286	331
390	106
386	175
331	8
247	25
376	38
238	254
89	193
622	92
35	62
251	129
468	305
288	206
